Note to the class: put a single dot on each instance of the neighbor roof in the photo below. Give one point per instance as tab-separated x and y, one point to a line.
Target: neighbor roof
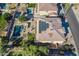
47	7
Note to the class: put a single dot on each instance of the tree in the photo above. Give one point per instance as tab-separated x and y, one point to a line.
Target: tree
0	12
44	50
67	48
3	45
32	5
4	40
7	16
67	6
31	37
31	50
22	18
0	48
23	43
18	52
26	49
3	23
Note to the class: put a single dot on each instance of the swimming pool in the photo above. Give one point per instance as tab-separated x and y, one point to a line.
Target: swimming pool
43	26
17	30
30	11
2	5
69	54
17	14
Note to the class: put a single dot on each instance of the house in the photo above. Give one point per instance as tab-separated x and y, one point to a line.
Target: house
47	9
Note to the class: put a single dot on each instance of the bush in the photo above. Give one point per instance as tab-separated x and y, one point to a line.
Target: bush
3	23
26	49
4	41
31	37
7	16
31	5
67	6
22	18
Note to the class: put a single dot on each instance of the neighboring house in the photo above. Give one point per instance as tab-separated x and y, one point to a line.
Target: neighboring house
48	9
12	5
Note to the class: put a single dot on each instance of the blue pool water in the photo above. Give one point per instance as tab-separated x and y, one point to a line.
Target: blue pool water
69	54
30	11
2	5
65	25
17	14
43	26
29	16
17	30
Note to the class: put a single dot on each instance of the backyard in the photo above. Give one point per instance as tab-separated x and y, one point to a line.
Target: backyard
29	48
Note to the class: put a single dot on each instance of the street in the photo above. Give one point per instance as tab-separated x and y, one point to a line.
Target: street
74	26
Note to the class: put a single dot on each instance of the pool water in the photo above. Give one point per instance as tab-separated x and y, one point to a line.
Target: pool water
17	31
65	25
30	16
30	11
2	5
69	54
43	26
17	14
